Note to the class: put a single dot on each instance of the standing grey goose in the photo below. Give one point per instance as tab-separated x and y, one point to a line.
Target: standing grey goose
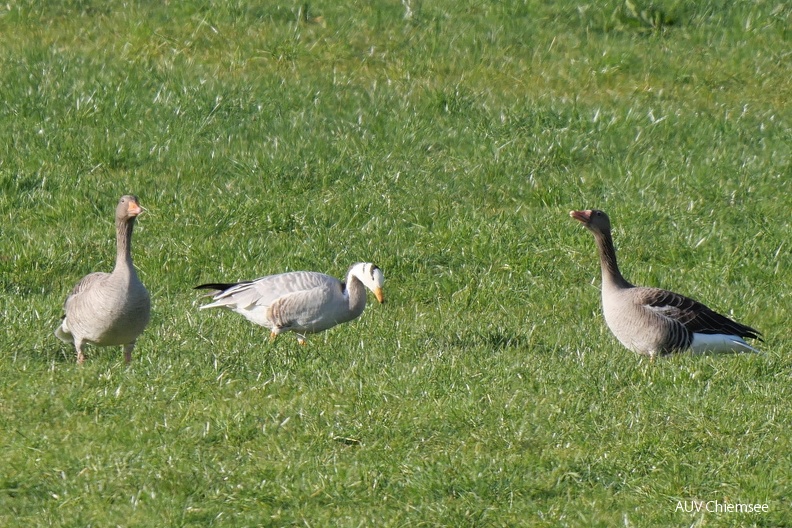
109	309
652	321
304	302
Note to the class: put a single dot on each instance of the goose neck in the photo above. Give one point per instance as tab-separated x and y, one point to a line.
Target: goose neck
356	295
124	244
611	276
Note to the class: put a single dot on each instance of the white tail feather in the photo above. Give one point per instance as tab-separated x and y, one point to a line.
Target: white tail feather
704	343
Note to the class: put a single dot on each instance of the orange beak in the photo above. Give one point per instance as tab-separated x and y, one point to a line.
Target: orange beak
379	295
134	209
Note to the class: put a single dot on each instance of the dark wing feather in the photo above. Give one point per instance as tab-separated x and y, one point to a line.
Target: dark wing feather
219	286
693	315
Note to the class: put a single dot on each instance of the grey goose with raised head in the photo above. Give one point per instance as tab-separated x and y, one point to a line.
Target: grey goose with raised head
653	321
109	309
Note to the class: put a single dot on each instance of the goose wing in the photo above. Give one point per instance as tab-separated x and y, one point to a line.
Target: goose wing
86	283
309	310
89	281
696	317
266	290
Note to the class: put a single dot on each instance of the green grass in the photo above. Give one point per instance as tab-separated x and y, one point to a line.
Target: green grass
448	148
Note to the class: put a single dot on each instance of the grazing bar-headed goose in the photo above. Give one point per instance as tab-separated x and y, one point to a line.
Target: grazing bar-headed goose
304	302
109	309
651	321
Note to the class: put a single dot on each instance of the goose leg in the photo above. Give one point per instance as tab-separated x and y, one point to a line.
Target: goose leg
128	351
80	356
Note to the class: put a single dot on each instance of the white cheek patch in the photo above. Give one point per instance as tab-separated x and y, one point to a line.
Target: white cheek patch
378	277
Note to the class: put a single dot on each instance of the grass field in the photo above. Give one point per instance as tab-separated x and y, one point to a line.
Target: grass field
446	142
